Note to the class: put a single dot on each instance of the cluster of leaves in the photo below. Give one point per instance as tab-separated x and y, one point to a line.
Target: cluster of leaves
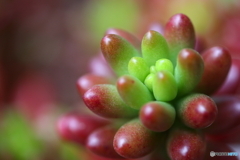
158	95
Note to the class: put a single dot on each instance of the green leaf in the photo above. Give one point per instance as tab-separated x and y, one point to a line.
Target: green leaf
188	71
164	65
18	138
154	47
164	86
133	92
117	52
149	80
138	67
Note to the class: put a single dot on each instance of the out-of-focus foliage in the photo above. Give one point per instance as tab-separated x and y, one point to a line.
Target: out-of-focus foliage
112	13
17	139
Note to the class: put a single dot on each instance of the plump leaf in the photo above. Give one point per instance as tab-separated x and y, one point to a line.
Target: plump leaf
217	63
179	33
104	100
154	47
164	86
138	68
188	71
126	35
133	92
117	52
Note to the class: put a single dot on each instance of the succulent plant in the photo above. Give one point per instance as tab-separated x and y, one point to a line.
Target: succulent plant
159	102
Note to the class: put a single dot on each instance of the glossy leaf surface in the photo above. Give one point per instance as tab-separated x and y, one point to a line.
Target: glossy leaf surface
231	84
126	35
75	127
133	140
164	86
138	68
133	92
217	62
197	110
157	116
185	144
154	47
85	82
117	52
228	115
180	34
188	71
100	142
104	100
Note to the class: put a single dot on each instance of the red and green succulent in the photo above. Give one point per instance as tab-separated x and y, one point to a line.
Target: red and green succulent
157	104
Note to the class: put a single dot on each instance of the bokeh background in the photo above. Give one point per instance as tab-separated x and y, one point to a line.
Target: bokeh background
46	45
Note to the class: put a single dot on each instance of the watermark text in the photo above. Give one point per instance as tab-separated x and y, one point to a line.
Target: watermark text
212	154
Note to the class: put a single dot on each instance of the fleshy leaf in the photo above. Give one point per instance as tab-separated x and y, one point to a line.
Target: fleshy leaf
179	33
188	71
104	100
133	140
100	142
133	92
117	52
126	35
231	85
85	82
185	144
138	67
149	80
164	86
228	116
154	47
164	64
217	63
197	110
157	116
153	69
79	133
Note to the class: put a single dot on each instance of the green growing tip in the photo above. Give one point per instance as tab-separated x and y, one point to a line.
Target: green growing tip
164	65
153	69
164	86
138	67
149	80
